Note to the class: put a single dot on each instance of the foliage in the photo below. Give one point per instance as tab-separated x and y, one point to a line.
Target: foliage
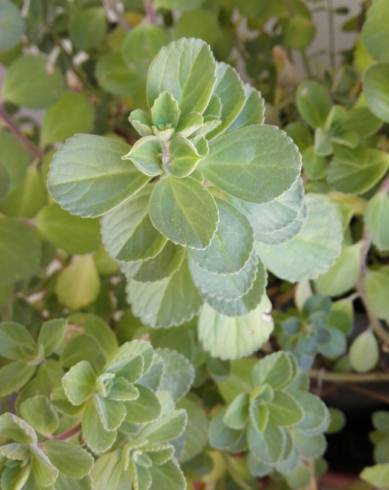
193	225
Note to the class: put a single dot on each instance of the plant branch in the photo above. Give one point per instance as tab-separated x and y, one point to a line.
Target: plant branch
68	433
29	145
334	377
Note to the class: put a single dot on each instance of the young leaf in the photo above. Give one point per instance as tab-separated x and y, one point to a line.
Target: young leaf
364	352
146	155
377	220
145	408
97	438
193	60
184	157
16	342
88	176
377	284
313	250
177	374
184	211
165	112
237	414
79	382
285	410
128	233
313	103
253	110
234	337
266	160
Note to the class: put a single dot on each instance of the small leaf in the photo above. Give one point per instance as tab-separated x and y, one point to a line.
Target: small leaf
364	352
14	376
43	471
40	414
128	233
52	334
13	428
78	284
88	176
28	82
237	414
165	112
265	159
193	59
377	475
313	103
253	110
141	122
16	342
146	155
231	246
313	250
79	383
267	446
97	438
70	459
223	438
11	25
277	370
377	284
145	408
184	157
167	428
111	412
195	437
375	30
87	27
284	410
59	123
227	337
377	220
177	375
184	211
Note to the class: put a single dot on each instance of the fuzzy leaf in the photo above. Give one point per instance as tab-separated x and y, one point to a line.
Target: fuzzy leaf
40	414
177	374
70	459
79	382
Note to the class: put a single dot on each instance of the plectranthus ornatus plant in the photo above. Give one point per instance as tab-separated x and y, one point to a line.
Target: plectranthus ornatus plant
202	204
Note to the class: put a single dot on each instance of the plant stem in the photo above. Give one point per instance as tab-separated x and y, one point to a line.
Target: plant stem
306	63
334	377
29	145
68	433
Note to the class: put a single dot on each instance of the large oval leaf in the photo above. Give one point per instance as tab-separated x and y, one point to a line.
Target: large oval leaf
255	163
88	176
184	211
376	90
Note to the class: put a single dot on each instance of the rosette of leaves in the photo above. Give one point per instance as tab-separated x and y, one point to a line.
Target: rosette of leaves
182	208
275	419
148	455
26	462
314	331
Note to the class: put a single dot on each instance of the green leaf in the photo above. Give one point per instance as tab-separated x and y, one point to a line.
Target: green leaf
356	170
237	414
146	156
230	90
27	198
195	437
285	410
40	414
29	83
13	158
377	284
14	376
59	123
15	477
141	44
145	408
13	428
377	475
376	90
95	435
227	287
315	166
87	27
156	303
20	251
375	30
52	334
300	32
266	160
78	284
277	370
377	220
316	416
231	246
79	383
278	220
166	428
73	234
343	275
253	110
110	412
164	264
227	337
337	421
242	305
165	112
313	103
184	211
11	25
141	122
16	342
267	446
70	459
193	60
364	352
223	438
88	176
43	471
313	250
177	374
128	233
169	476
184	157
201	23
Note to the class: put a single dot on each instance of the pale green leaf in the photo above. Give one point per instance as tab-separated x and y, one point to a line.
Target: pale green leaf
364	352
313	103
165	112
193	60
285	410
184	157
87	27
377	286
16	342
166	428
277	370
255	163
14	376
11	25
146	156
145	408
79	383
195	437
267	446
177	374
237	414
88	176
377	475
110	412
13	428
234	337
43	471
184	211
313	250
376	90
78	284
70	459
253	110
377	220
40	414
376	30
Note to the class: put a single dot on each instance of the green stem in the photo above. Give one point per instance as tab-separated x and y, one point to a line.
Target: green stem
333	377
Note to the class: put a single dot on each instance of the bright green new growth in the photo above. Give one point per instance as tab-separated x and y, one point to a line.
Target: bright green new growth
183	208
276	419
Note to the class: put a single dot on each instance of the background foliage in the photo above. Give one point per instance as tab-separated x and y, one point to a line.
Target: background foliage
274	286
